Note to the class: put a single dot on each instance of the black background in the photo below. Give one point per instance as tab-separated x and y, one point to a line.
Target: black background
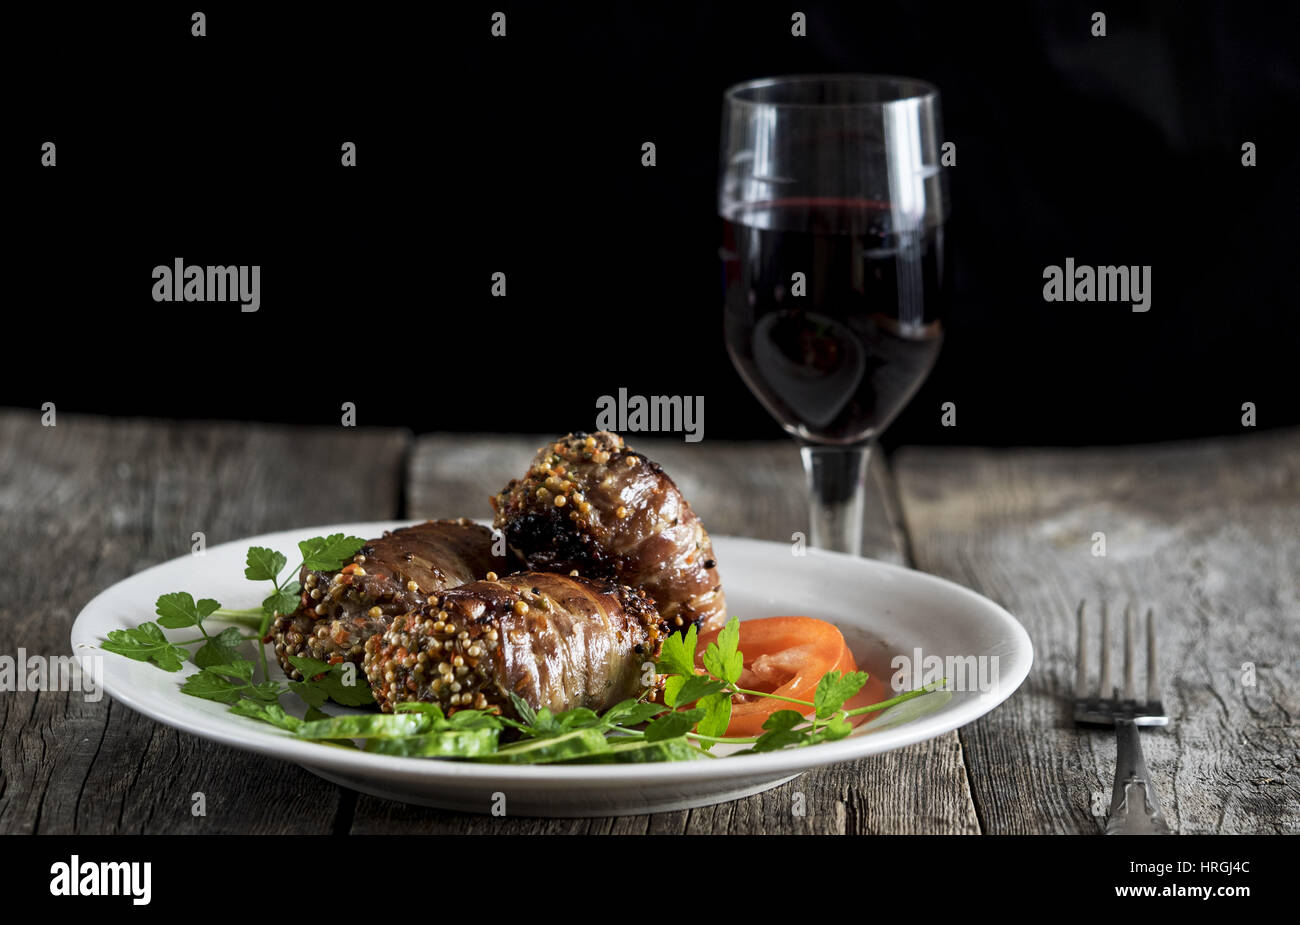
522	154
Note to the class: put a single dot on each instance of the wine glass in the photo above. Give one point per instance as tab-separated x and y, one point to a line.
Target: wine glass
835	274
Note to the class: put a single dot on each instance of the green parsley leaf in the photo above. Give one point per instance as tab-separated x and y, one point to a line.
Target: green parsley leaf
783	720
284	600
269	691
524	709
780	732
838	728
679	690
146	643
631	713
264	564
312	695
310	667
472	719
330	552
356	694
212	686
678	653
672	685
671	725
241	668
271	713
229	683
178	609
833	689
717	715
721	658
546	724
221	649
331	680
577	718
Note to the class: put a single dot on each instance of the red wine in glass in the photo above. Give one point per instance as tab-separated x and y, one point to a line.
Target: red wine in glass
835	361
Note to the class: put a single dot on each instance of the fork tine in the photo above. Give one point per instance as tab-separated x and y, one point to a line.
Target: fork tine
1081	656
1153	682
1104	683
1130	661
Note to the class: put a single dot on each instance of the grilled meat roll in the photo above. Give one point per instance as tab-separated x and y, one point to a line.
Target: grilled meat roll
555	640
388	576
590	503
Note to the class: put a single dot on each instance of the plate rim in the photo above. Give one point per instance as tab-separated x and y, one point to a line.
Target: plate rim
431	772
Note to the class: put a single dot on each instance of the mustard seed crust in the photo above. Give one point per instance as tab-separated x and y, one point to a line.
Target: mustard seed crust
555	640
339	610
591	503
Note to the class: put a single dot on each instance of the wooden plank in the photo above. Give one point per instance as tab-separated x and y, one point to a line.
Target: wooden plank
743	489
1208	534
87	503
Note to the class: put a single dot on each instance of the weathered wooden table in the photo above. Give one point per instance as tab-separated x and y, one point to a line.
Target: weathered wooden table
1208	533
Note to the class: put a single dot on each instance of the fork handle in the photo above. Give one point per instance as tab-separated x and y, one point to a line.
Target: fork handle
1134	805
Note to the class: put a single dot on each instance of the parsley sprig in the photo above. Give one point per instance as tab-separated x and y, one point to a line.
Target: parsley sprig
701	702
225	675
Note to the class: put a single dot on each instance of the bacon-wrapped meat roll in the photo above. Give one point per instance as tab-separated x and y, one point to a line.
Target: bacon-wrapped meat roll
388	576
555	640
593	504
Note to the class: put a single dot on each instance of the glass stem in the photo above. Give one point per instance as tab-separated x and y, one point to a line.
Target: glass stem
837	489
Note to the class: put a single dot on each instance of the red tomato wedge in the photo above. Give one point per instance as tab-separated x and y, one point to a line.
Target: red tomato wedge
787	656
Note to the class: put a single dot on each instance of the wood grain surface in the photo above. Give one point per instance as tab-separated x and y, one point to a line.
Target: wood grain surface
1206	533
87	503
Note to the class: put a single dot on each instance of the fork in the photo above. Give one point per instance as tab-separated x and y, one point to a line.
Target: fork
1134	804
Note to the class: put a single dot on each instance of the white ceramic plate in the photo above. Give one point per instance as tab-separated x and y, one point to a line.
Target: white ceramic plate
882	609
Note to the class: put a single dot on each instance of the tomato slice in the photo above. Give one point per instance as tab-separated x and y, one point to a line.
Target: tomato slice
786	656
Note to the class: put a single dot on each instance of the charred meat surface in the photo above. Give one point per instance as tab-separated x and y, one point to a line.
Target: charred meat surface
555	640
591	503
391	575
